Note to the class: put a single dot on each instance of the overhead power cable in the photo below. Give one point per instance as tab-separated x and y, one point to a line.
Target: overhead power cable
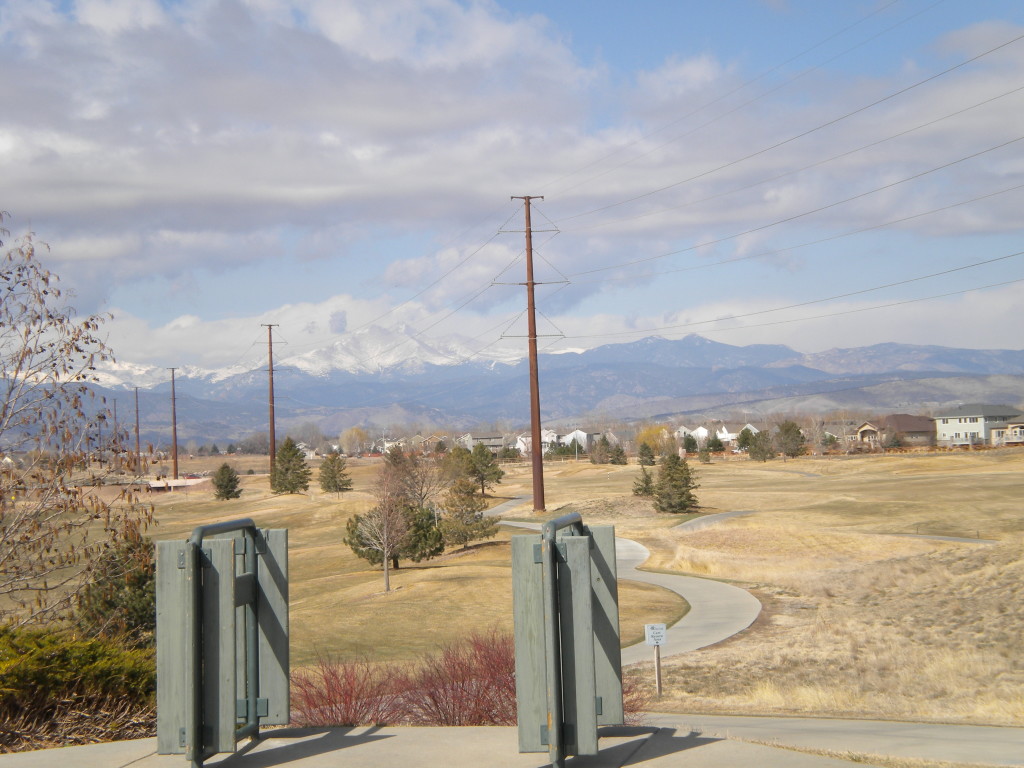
797	216
735	90
797	136
793	172
788	248
694	323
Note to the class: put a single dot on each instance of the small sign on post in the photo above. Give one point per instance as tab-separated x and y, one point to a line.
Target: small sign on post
655	635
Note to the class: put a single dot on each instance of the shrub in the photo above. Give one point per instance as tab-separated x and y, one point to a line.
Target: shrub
471	682
56	688
346	693
467	683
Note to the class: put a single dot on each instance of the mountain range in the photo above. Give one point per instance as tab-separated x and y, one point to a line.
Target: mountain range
374	380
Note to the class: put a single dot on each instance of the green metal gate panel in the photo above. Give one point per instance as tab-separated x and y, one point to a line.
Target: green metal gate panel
173	595
219	632
604	580
528	615
575	609
272	609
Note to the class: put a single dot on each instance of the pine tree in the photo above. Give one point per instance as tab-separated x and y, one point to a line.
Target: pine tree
690	444
790	440
290	473
645	455
760	448
333	475
484	468
601	451
673	491
644	485
617	455
225	483
463	520
744	438
120	601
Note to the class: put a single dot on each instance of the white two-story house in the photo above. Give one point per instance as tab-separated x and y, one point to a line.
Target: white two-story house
972	423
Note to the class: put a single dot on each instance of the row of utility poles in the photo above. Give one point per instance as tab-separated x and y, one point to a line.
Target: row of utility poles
536	453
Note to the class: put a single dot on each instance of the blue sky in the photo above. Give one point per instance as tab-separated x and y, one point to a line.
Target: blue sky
814	174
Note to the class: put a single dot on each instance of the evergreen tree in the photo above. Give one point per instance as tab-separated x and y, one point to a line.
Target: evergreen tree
483	468
463	520
790	440
744	438
760	448
333	475
457	463
120	601
617	455
424	539
690	444
714	443
644	485
645	455
601	451
225	483
290	473
673	491
214	450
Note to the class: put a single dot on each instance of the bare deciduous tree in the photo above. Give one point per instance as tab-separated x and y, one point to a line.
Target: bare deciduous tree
54	441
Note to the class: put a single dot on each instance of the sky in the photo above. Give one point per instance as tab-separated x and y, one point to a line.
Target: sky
794	172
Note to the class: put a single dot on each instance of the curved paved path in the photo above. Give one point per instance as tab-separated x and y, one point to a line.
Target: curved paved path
717	610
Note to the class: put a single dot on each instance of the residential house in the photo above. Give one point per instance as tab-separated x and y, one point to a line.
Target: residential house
729	433
1010	434
586	440
548	438
869	433
908	429
493	443
972	423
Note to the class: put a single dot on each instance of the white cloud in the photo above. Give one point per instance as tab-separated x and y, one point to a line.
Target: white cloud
193	149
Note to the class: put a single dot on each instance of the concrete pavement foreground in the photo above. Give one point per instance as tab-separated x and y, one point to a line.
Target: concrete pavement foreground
470	747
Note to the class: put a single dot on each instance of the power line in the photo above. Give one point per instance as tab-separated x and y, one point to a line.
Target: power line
798	136
724	96
746	187
785	249
794	217
696	323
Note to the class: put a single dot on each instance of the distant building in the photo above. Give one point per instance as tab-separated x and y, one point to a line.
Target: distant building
973	423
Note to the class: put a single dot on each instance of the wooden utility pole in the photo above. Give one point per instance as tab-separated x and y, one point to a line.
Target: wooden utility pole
138	449
536	451
174	426
270	372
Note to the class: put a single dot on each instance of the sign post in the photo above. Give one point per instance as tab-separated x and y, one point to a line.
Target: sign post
654	634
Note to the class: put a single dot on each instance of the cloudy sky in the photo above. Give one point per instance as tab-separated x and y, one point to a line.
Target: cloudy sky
773	171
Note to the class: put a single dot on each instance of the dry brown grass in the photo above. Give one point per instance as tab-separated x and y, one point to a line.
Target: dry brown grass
857	621
337	603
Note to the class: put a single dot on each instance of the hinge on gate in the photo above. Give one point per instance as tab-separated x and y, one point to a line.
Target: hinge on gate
181	562
538	552
599	705
181	737
242	708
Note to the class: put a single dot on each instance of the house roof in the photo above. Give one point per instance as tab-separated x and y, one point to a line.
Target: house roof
905	422
978	409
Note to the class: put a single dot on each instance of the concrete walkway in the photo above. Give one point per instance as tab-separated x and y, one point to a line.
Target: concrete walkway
717	610
470	747
988	745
